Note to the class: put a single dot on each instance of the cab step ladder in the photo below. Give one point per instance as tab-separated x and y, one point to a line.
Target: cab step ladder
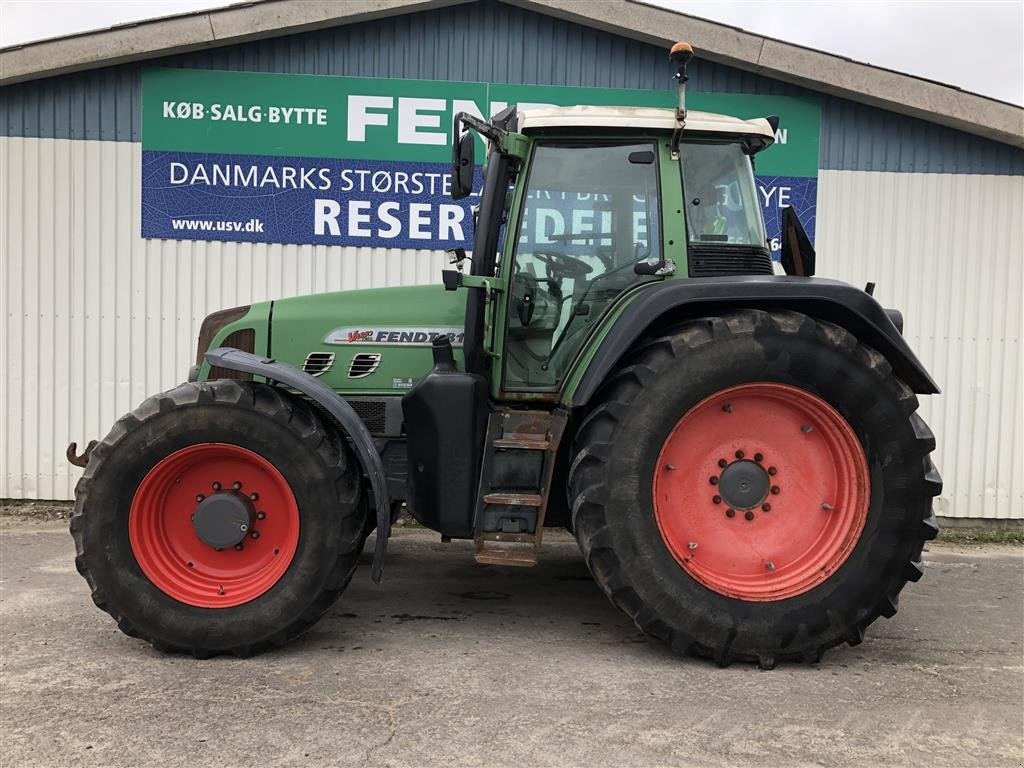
515	484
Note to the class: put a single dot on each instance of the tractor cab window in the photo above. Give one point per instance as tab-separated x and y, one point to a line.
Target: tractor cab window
589	215
721	197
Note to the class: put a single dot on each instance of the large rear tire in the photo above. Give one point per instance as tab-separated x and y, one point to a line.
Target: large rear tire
219	517
755	486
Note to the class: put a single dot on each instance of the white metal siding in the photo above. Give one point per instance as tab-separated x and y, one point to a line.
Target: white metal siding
947	250
95	318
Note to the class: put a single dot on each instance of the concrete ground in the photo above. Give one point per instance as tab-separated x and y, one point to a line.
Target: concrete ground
450	663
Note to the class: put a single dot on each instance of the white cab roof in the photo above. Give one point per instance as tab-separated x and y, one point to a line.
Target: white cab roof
638	117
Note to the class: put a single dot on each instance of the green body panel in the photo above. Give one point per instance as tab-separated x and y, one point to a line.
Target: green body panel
396	323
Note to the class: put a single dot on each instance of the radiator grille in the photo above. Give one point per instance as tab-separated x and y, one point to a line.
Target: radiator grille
245	340
373	414
721	261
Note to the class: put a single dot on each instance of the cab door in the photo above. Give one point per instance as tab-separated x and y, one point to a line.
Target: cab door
588	214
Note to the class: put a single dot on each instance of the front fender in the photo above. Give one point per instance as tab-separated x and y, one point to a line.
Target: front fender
338	407
673	301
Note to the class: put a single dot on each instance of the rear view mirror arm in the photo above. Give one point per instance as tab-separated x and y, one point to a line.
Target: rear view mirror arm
484	128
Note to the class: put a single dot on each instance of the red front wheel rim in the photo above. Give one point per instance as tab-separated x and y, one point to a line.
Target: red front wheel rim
170	552
761	491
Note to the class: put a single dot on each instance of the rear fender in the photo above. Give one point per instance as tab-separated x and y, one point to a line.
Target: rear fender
369	459
674	301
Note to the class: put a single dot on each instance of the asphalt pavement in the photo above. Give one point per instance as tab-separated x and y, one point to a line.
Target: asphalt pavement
454	664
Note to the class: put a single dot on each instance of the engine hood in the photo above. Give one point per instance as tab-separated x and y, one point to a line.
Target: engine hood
374	341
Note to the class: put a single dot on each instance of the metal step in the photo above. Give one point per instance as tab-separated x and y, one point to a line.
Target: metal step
515	499
517	549
523	558
509	429
523	442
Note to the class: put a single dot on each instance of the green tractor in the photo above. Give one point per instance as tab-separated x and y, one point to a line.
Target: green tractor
737	453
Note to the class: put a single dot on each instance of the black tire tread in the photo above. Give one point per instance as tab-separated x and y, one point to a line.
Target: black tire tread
291	412
595	439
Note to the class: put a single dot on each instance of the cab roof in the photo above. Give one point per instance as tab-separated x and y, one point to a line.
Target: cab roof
532	119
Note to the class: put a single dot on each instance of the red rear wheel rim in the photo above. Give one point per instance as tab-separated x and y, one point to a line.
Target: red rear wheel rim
171	554
761	491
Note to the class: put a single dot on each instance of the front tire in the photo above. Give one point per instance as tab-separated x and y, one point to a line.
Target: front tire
829	497
218	517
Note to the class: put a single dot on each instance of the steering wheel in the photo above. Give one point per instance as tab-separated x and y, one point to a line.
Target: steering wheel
569	266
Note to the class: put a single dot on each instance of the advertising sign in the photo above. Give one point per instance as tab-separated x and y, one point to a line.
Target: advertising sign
324	160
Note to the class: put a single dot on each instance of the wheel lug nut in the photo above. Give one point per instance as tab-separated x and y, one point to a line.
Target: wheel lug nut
758	457
237	485
826	506
769	565
748	515
239	546
670	466
192	517
730	512
255	534
716	499
740	454
254	496
260	515
775	490
216	486
727	408
772	470
766	507
723	463
693	545
806	428
199	497
713	480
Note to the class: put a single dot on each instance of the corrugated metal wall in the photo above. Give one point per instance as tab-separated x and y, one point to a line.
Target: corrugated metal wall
95	318
947	250
497	43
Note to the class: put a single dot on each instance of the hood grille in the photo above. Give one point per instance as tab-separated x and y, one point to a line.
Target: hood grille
727	260
318	363
363	364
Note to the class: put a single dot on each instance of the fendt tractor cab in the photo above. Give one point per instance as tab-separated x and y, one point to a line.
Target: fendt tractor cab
737	453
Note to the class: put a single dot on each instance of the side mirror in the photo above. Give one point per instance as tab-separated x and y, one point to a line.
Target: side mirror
797	251
463	163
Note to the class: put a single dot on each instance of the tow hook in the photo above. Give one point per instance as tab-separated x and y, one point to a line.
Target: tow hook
80	461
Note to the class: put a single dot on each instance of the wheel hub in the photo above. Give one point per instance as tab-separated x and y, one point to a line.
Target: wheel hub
223	519
761	491
214	525
744	484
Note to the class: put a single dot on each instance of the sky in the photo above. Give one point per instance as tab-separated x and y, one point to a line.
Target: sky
978	46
